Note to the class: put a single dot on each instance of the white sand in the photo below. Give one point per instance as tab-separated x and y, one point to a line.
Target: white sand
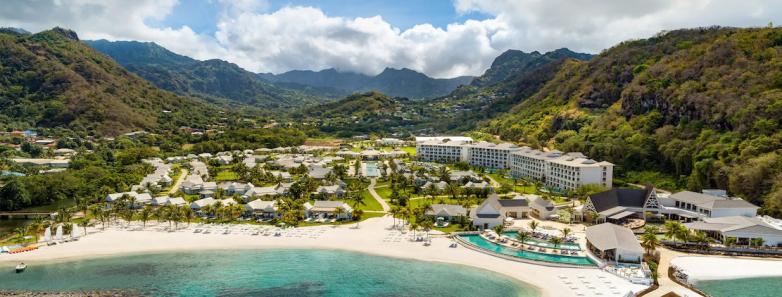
700	268
375	236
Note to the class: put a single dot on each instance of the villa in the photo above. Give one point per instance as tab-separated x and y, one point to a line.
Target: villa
743	228
201	203
138	198
493	211
477	185
449	212
230	188
165	200
389	141
319	172
614	243
328	209
440	186
261	208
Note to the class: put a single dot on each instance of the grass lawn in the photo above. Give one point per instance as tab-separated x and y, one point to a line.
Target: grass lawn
385	193
438	200
187	146
226	176
410	150
371	203
528	189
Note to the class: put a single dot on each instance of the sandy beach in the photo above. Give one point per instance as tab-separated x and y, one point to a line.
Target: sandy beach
374	236
700	268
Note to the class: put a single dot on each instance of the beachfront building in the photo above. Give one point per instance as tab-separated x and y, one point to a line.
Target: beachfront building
618	205
138	199
490	155
689	206
493	211
201	203
442	151
328	210
743	229
543	209
262	209
614	243
448	212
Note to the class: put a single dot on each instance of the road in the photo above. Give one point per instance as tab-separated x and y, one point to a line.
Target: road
178	183
377	197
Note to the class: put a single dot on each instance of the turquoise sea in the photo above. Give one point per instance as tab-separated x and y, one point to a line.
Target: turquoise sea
745	287
294	273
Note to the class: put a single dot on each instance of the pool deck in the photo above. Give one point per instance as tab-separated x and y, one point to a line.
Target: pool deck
519	259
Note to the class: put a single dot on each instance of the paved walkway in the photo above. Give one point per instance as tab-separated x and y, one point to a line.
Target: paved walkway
666	284
175	187
377	197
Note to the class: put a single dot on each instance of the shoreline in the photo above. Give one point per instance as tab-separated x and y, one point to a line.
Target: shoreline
374	237
707	268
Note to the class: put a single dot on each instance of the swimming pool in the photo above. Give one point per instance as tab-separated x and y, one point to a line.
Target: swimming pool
478	241
545	244
370	169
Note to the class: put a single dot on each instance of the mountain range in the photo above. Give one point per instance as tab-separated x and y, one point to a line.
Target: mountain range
393	82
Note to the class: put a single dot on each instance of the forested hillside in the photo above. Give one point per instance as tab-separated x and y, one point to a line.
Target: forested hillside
214	80
702	106
51	79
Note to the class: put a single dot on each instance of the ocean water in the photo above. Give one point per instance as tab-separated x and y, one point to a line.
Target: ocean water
296	273
745	287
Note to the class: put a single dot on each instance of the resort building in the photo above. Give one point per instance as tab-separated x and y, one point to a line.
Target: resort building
460	139
531	164
688	206
201	203
389	141
573	170
441	151
138	199
490	155
328	209
326	192
449	212
540	208
617	205
493	211
262	209
744	229
614	243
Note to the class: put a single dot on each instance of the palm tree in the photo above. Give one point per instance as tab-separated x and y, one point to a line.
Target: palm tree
566	232
556	241
649	240
395	211
701	238
356	213
533	225
339	211
427	225
756	242
187	214
672	230
21	232
522	236
444	174
144	215
499	228
730	241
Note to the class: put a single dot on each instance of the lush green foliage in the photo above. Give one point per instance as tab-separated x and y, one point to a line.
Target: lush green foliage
50	79
702	105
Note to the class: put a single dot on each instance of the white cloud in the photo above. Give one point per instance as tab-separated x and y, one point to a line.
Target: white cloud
306	38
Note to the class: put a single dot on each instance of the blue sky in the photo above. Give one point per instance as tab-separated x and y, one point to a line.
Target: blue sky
202	15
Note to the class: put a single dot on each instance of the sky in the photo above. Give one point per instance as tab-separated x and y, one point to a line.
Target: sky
441	38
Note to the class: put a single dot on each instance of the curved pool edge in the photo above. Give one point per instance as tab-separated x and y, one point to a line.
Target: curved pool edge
473	247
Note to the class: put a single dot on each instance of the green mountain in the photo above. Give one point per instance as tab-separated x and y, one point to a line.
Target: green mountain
393	82
214	80
515	62
701	106
51	79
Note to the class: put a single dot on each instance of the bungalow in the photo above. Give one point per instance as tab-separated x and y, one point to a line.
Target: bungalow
160	201
744	229
440	186
177	201
493	211
262	209
270	191
348	154
690	206
230	188
318	172
614	243
139	199
330	191
328	209
477	185
285	176
201	203
448	212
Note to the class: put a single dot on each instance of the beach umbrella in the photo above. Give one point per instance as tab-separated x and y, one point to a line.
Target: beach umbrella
75	233
47	235
58	233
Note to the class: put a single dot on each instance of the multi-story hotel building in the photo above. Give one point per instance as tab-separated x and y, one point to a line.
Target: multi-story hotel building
490	155
531	163
573	170
440	151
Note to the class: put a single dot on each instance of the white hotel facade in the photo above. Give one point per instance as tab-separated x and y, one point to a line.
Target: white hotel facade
557	170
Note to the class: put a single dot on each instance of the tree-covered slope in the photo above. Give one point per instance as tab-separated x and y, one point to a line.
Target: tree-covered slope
702	105
50	79
214	80
515	62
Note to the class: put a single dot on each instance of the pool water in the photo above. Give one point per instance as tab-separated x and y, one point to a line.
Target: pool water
371	170
754	287
478	241
545	244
